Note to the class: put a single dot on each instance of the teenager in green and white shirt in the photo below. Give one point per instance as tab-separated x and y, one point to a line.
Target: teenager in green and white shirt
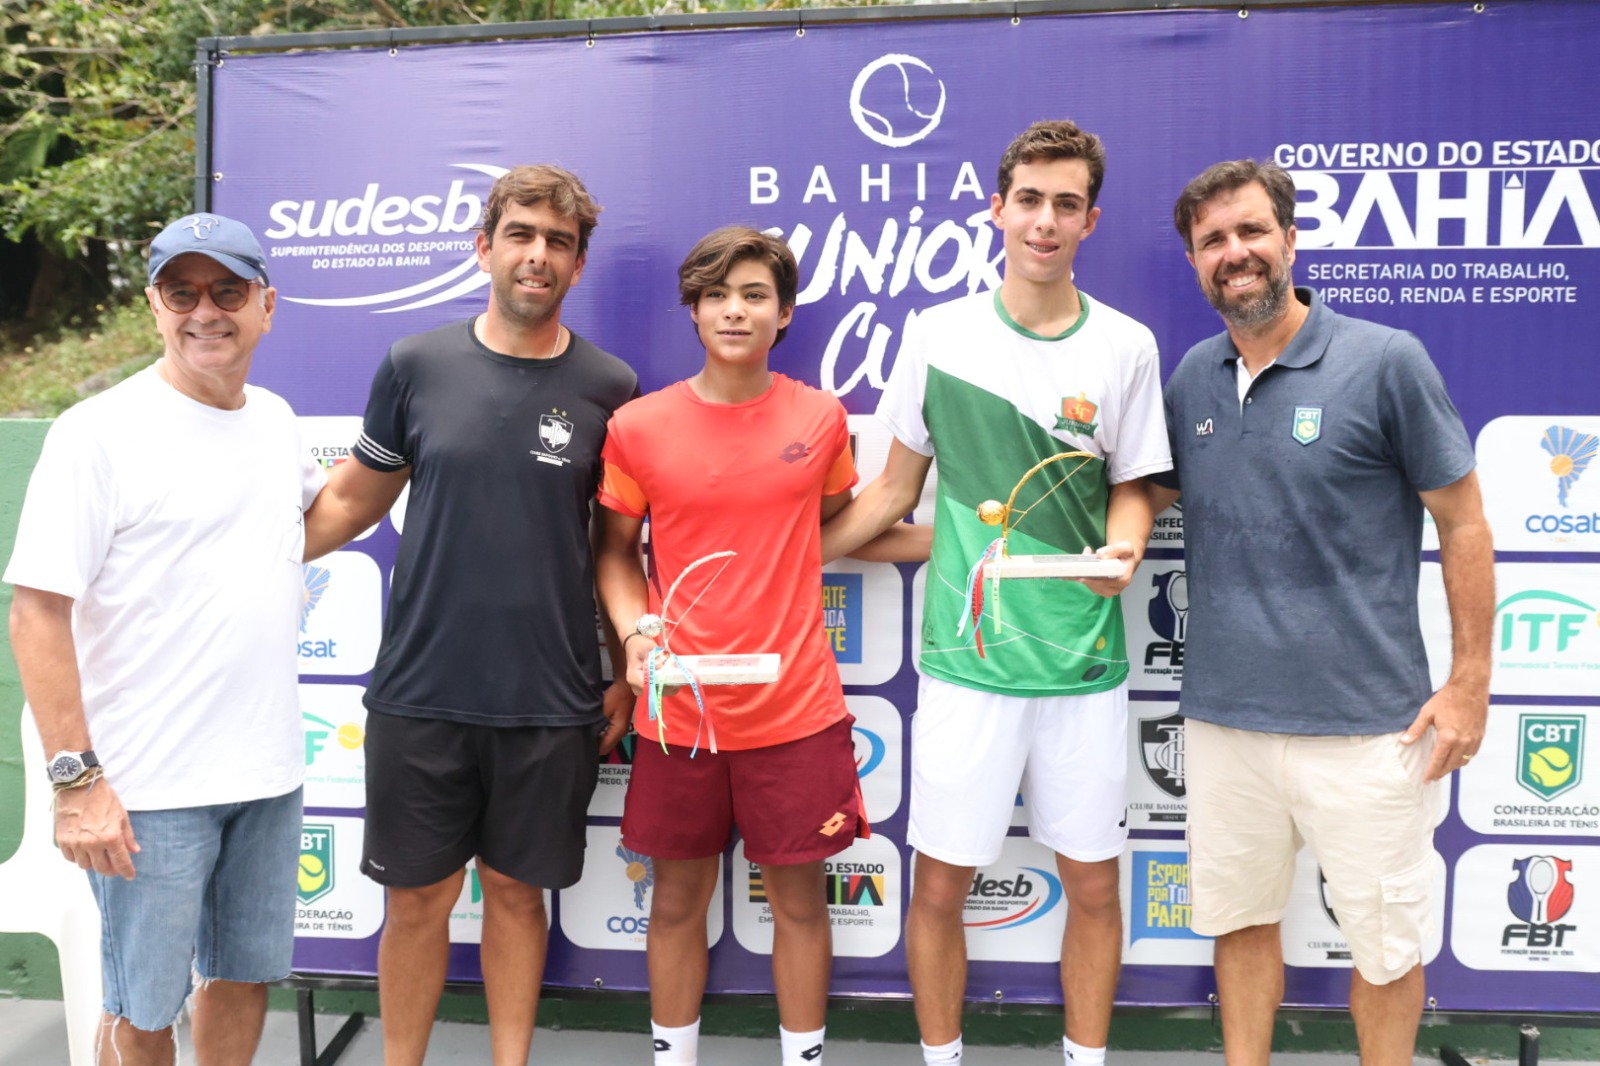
992	384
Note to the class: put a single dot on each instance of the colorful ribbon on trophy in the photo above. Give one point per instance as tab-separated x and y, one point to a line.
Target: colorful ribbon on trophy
974	598
655	686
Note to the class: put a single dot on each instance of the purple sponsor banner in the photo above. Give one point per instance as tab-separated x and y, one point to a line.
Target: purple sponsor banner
1447	186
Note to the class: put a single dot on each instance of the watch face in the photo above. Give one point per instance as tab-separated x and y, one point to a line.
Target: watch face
66	768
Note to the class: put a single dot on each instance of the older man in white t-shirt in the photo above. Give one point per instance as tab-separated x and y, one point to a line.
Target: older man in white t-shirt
158	586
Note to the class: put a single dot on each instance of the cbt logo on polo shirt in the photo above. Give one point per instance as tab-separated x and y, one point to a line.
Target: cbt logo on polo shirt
1307	424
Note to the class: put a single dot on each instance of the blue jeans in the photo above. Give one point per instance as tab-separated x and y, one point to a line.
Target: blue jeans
213	893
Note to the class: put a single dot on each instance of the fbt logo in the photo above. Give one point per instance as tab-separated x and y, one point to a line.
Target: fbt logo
1169	618
995	903
1550	753
1540	894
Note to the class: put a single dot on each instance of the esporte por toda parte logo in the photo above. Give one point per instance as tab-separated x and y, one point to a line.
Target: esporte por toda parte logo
1161	906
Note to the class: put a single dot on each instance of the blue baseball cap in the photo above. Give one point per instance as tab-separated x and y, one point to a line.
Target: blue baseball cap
224	240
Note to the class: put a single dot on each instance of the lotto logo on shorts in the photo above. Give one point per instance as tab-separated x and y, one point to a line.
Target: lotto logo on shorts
833	825
316	862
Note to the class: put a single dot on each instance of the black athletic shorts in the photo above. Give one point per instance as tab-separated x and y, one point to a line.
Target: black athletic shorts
439	793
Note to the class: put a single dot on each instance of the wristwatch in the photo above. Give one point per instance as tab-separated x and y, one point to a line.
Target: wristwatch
67	766
649	625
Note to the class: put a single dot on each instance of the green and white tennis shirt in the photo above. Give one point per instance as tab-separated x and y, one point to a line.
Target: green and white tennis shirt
990	399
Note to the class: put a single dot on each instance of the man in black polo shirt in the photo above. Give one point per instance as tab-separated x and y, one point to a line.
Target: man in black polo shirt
485	699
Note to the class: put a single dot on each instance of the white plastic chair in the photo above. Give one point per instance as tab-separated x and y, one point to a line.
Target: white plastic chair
40	892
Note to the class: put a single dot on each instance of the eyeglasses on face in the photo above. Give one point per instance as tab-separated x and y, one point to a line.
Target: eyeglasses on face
181	297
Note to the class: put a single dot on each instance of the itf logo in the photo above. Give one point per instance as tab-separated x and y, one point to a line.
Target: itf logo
1160	907
316	862
1550	753
349	735
841	615
897	100
1542	623
1570	454
1541	895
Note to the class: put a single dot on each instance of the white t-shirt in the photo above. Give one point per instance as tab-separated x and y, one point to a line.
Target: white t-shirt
177	530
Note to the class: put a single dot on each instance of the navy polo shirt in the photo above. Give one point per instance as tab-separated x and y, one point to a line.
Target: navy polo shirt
1302	525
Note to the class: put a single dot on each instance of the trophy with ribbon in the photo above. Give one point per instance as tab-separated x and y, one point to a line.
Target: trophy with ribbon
997	564
666	669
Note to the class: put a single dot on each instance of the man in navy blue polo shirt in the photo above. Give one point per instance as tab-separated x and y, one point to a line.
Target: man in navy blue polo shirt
1307	445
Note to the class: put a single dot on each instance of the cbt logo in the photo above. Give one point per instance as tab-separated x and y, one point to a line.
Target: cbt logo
1550	753
1541	895
897	100
316	862
1007	902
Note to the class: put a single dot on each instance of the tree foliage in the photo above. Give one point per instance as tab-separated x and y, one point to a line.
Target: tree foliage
97	109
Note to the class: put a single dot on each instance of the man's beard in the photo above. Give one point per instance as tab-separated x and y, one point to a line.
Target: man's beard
1257	311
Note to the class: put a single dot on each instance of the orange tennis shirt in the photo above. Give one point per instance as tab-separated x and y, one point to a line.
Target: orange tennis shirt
747	478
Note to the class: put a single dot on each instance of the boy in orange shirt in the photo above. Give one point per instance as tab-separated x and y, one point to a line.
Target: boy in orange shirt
736	458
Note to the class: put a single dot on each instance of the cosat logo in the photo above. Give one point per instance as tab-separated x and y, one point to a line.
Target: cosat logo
349	735
1169	617
317	580
898	84
403	224
1543	623
1161	751
997	903
1571	451
641	871
316	862
316	583
1541	895
1550	753
870	750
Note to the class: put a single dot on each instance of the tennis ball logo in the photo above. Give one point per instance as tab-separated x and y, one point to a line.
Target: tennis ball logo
1550	767
350	736
1305	428
313	874
897	100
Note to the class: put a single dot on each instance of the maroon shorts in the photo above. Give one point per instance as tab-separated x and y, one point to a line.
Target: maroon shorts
793	803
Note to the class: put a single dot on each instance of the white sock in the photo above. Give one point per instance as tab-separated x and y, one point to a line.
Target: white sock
801	1049
1076	1055
942	1054
676	1047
